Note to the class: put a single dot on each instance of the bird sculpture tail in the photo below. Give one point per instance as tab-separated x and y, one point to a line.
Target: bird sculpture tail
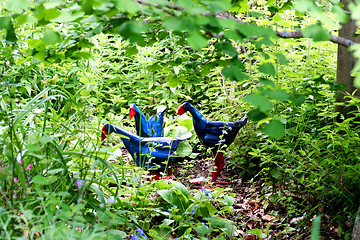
243	121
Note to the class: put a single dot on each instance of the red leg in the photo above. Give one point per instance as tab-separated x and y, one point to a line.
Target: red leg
219	165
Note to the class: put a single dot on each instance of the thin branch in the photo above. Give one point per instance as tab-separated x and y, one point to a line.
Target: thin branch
298	34
225	15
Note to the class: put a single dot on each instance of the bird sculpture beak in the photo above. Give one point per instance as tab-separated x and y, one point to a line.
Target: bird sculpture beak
103	133
181	110
132	112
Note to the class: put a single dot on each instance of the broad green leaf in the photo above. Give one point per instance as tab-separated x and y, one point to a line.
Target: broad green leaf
51	37
172	80
256	115
299	100
182	23
274	129
218	5
267	68
85	93
234	73
281	58
130	51
278	94
196	41
38	179
5	23
250	30
260	102
17	5
229	200
275	172
227	48
67	15
202	230
316	32
129	6
179	186
184	149
154	67
267	82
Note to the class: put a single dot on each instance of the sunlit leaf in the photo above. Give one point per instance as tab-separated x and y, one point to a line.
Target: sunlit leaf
274	129
129	6
234	73
17	6
196	40
259	101
5	23
267	68
51	37
316	32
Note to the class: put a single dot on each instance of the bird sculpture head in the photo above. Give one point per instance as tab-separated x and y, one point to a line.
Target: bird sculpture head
182	108
132	111
104	132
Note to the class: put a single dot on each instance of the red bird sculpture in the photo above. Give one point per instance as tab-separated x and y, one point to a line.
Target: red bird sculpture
216	135
149	152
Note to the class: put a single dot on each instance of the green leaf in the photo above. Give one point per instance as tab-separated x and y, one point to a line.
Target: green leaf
196	40
5	23
256	115
234	73
130	51
99	193
281	58
275	172
250	30
181	187
218	5
169	196
51	37
316	32
267	68
202	230
315	232
85	93
17	5
227	48
129	6
38	179
299	100
274	129
260	102
172	80
278	94
184	149
229	200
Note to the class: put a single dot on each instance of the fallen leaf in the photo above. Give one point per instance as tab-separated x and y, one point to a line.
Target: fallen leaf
268	218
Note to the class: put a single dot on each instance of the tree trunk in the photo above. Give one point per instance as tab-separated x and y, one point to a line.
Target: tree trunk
356	230
345	63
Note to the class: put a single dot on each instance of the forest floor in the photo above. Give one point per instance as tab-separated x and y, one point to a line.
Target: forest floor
253	212
252	208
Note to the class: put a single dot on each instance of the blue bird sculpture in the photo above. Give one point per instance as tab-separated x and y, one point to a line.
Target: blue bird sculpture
149	152
216	135
153	127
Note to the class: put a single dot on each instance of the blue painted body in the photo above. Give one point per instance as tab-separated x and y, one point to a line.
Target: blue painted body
148	152
153	127
213	134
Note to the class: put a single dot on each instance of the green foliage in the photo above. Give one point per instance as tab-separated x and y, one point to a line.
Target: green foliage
68	66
